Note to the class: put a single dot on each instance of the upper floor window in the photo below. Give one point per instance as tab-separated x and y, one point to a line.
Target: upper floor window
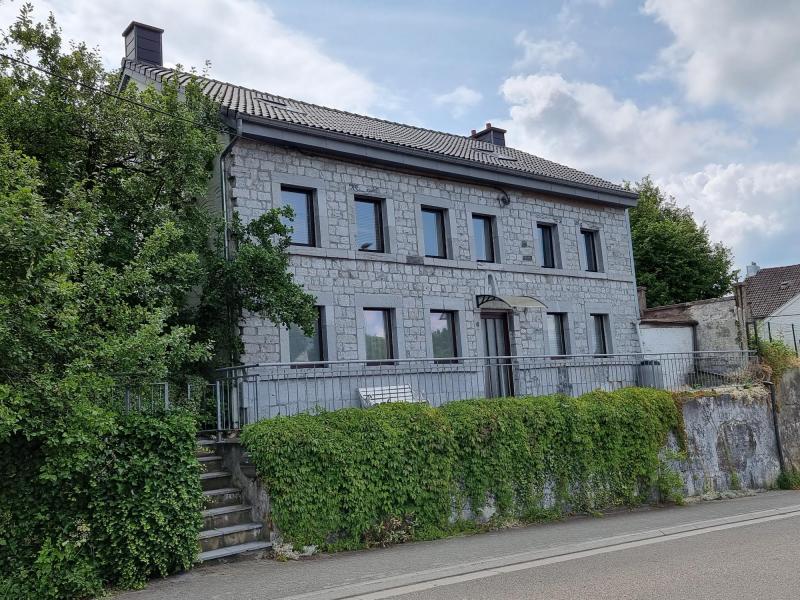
434	233
483	229
443	333
591	247
600	334
378	333
558	341
547	245
369	225
303	223
307	349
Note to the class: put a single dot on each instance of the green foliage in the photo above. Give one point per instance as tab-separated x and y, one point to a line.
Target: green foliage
675	259
779	357
346	478
115	502
110	266
789	480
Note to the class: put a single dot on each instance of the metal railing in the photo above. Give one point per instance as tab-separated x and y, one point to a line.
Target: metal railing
250	393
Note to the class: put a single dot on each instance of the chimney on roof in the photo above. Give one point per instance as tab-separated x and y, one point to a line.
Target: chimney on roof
752	269
143	43
493	135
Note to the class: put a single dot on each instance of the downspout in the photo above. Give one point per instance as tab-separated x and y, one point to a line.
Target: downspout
223	187
633	271
226	226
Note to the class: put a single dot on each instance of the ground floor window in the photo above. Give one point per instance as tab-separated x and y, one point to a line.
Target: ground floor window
558	343
600	334
307	349
443	333
378	333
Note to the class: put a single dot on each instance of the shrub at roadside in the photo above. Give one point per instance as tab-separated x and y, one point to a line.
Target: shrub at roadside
337	478
113	505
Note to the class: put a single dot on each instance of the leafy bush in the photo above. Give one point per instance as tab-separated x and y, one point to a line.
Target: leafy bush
337	479
778	357
788	480
115	501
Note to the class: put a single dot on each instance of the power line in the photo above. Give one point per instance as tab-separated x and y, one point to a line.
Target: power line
149	107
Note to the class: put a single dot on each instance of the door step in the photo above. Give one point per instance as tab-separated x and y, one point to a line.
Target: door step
232	535
231	551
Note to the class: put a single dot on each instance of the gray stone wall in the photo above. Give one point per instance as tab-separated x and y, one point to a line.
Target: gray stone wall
401	279
717	327
788	396
731	441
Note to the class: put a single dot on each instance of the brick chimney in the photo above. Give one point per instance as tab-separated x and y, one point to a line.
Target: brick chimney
493	135
143	43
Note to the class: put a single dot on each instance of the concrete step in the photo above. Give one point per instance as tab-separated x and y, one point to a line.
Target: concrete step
220	497
223	516
210	462
233	535
232	551
214	480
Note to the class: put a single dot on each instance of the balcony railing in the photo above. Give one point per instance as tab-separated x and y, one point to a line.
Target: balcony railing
261	391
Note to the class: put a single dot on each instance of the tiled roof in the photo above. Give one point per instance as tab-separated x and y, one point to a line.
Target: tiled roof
237	101
771	288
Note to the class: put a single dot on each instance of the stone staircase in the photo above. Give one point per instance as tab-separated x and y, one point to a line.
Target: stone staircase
228	527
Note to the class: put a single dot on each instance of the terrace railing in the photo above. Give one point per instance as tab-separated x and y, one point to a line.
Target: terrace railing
250	393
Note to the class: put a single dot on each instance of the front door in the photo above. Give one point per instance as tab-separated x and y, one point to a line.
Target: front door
498	377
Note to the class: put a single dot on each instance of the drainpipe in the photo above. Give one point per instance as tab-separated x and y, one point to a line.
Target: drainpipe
639	308
222	187
774	403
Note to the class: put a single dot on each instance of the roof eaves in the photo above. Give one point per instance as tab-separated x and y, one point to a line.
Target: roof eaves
557	186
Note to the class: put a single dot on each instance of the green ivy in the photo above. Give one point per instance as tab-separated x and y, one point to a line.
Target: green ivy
335	479
110	507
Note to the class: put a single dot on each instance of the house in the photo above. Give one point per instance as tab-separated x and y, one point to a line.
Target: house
768	303
426	250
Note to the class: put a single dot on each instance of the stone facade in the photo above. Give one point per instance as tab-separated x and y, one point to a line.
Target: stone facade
403	280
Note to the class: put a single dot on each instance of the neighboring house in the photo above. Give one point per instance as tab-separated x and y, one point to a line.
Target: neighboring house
768	303
702	325
420	244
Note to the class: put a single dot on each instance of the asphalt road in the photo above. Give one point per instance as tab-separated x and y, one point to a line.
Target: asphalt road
752	562
743	548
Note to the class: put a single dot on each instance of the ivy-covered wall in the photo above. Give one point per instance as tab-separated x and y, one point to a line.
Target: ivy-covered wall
352	478
108	504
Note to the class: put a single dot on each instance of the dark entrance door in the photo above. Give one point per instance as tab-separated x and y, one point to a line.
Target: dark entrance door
498	371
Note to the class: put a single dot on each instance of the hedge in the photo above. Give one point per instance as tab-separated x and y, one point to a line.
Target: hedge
111	506
342	479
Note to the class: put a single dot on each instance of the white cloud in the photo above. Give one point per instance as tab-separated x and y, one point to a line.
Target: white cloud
459	100
544	54
585	126
751	207
244	41
739	52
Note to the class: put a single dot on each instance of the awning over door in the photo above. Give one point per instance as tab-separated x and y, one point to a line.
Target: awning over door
490	301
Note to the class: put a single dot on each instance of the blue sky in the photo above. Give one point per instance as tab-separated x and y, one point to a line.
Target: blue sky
700	94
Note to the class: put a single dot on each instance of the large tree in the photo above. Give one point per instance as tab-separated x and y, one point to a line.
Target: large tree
110	267
674	257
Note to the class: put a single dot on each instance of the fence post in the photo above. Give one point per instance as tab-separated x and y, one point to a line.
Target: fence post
769	330
166	395
794	337
218	390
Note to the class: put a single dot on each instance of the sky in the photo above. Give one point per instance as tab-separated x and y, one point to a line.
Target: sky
702	95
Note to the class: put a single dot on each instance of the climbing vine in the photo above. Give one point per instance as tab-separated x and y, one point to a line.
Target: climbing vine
337	478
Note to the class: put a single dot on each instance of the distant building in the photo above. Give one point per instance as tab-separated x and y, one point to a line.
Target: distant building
768	303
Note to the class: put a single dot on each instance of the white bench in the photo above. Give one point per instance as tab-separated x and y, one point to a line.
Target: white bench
372	396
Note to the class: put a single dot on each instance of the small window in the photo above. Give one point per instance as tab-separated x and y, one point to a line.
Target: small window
434	232
483	228
302	203
557	334
590	243
443	333
600	334
547	245
369	225
307	349
378	333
